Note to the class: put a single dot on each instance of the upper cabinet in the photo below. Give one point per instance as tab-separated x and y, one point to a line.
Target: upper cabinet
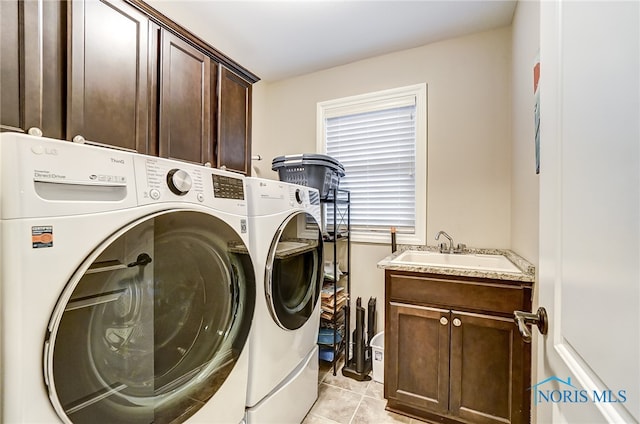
32	39
234	133
117	72
107	80
185	101
15	77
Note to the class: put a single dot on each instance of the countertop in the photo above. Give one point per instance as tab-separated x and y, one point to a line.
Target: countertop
527	275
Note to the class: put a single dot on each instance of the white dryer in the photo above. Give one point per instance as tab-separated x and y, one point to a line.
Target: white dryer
127	290
286	245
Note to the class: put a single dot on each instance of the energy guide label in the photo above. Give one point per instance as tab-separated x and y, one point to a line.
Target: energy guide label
42	236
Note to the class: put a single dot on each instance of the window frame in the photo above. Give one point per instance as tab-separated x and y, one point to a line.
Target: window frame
376	101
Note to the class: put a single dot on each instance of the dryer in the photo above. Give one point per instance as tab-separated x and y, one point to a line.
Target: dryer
127	288
286	245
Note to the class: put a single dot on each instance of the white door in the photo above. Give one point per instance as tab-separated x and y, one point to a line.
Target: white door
589	276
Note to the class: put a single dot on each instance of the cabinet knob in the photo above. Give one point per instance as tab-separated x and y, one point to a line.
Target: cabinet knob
78	139
457	322
35	131
444	321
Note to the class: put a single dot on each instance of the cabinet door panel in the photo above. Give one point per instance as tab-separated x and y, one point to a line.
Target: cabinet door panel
23	48
234	133
54	70
32	41
417	358
11	77
185	121
486	369
108	74
21	63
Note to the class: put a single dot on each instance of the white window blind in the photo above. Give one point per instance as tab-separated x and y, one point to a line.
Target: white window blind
378	140
377	150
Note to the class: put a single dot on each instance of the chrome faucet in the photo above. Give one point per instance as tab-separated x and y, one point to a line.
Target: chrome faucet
443	246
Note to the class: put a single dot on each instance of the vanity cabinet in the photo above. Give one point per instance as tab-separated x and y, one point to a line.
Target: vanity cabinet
452	351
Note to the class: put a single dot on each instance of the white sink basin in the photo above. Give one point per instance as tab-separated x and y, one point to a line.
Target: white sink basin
496	263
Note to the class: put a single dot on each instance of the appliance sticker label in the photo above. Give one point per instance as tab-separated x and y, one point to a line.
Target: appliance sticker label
42	236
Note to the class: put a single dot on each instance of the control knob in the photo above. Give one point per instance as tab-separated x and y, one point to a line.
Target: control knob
299	196
179	181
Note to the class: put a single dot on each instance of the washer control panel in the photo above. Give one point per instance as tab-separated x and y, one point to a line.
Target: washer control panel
227	187
159	179
165	180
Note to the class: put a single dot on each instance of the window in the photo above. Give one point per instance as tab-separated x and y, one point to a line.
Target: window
381	139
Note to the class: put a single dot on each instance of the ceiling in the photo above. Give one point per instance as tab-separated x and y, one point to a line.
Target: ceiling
283	39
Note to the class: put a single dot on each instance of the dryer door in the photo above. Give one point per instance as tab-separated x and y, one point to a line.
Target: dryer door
153	322
293	275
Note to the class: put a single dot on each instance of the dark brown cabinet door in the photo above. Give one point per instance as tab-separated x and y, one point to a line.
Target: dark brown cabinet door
185	101
486	369
417	356
234	123
107	80
14	76
32	66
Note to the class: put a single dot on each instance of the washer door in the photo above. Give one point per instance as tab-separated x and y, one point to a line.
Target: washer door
152	324
293	275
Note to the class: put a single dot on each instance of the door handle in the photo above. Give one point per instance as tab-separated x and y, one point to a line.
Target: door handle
524	319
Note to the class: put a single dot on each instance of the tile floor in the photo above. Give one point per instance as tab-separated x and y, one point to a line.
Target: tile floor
344	400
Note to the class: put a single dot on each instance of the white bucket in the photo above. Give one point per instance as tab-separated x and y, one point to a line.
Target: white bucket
377	357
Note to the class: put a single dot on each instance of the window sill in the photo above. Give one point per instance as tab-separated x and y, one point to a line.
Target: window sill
385	238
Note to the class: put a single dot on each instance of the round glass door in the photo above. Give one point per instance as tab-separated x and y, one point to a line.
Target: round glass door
153	323
293	277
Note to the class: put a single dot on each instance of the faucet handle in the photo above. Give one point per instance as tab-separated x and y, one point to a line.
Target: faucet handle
443	248
460	248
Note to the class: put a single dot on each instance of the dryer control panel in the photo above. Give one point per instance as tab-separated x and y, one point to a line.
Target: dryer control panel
270	196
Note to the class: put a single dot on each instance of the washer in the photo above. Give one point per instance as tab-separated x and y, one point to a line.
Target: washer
127	288
286	244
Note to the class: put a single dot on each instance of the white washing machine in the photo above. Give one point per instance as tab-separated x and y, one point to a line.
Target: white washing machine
127	291
286	245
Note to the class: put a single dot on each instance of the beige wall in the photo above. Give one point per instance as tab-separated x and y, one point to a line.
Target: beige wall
525	185
524	181
469	136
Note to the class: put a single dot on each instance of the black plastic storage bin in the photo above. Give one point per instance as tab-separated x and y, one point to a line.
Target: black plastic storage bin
310	169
